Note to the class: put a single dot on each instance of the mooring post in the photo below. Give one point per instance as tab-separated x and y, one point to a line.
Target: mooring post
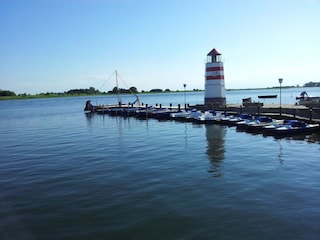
310	114
170	106
294	113
160	105
179	107
129	104
146	110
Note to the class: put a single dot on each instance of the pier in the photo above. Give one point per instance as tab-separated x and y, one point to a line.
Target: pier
286	111
272	119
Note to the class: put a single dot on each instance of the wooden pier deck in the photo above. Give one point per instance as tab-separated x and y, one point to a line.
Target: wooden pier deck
286	111
289	111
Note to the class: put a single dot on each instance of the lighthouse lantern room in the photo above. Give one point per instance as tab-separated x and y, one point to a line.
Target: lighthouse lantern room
215	93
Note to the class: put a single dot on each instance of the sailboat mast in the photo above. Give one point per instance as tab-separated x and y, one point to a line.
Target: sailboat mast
118	91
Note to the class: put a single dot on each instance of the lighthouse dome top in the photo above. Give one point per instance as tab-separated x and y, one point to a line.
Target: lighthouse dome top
213	52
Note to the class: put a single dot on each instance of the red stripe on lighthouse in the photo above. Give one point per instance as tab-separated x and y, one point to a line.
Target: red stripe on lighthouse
210	69
217	77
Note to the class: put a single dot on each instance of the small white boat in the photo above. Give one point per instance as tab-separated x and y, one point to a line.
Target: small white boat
179	115
290	127
185	115
233	120
256	124
210	117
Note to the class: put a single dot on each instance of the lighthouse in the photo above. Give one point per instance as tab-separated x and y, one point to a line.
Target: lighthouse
215	92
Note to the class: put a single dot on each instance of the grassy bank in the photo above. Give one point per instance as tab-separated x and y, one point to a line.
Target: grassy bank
21	97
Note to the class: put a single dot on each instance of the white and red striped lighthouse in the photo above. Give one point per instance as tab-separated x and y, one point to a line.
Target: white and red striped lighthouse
215	92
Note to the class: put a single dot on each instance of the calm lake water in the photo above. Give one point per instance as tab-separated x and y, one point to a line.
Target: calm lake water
68	175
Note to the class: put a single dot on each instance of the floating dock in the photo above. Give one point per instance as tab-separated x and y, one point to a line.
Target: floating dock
289	111
285	111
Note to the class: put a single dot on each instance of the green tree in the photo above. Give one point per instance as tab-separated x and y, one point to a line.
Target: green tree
115	90
134	90
7	93
156	90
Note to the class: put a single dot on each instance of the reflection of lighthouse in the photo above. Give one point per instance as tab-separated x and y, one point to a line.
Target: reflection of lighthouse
215	136
215	92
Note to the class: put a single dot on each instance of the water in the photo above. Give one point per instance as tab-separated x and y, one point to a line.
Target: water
67	175
288	96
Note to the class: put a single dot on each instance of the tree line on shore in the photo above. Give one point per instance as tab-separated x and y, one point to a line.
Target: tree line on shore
85	91
312	84
115	90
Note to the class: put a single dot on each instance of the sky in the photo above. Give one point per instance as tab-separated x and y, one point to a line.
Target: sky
58	45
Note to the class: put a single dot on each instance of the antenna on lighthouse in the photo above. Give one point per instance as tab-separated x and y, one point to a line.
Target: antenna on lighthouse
215	93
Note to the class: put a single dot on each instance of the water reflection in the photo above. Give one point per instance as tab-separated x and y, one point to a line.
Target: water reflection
310	138
216	137
314	138
89	115
280	155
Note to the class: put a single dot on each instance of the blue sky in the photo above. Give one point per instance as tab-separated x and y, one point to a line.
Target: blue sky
58	45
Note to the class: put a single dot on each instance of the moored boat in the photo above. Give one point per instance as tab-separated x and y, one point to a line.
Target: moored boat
209	117
256	127
268	96
144	112
308	101
164	114
185	116
180	115
233	120
256	123
290	127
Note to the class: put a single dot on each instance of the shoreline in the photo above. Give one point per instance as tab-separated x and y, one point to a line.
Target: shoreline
56	95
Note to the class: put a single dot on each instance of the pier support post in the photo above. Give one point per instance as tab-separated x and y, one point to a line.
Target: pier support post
310	114
146	110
